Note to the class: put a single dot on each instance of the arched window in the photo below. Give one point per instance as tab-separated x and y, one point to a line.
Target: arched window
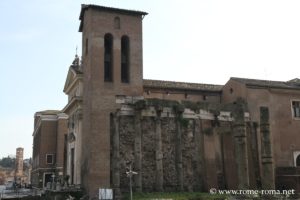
117	24
125	59
298	161
108	58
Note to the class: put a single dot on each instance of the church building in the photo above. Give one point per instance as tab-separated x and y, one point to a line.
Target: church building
177	136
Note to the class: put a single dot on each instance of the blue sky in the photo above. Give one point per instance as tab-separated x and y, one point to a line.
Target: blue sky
205	41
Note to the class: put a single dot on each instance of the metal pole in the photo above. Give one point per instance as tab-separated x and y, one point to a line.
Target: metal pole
130	173
130	182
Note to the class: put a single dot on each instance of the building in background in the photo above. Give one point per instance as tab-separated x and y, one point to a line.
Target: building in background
15	169
19	162
283	101
50	128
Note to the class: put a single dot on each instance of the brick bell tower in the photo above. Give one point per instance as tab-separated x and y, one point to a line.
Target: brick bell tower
112	66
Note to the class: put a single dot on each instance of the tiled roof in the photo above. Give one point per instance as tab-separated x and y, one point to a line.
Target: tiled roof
84	7
181	85
292	84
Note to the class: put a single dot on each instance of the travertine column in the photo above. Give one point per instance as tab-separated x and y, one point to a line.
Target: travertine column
158	152
178	148
219	131
266	150
199	147
240	144
255	153
116	155
138	151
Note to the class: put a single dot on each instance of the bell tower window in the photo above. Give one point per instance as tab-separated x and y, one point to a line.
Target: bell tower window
125	59
117	24
108	51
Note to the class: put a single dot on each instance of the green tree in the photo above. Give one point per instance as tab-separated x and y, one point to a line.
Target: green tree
7	162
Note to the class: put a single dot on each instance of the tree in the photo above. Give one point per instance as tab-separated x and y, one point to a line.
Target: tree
7	162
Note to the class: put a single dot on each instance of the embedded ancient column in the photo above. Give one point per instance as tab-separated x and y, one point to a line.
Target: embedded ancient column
178	149
255	153
138	151
116	156
158	151
240	144
266	150
199	148
219	131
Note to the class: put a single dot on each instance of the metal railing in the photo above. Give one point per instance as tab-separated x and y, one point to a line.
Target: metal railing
19	193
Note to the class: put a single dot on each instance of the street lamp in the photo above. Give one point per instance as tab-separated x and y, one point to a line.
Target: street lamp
129	174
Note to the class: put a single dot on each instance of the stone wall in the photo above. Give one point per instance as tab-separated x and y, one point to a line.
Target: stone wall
182	148
168	148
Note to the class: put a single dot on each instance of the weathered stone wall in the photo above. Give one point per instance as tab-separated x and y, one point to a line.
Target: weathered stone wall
126	148
168	148
148	154
183	150
189	156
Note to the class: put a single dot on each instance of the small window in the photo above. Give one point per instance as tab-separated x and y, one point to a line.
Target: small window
117	24
186	95
296	109
49	159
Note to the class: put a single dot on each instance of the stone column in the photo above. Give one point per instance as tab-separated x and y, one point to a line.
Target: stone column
266	150
138	151
178	148
255	153
219	130
199	148
116	155
240	144
158	152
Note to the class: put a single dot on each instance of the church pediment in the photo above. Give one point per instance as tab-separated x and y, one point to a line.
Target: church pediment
74	72
70	78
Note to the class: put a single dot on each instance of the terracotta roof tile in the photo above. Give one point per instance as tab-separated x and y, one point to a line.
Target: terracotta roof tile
181	85
292	84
